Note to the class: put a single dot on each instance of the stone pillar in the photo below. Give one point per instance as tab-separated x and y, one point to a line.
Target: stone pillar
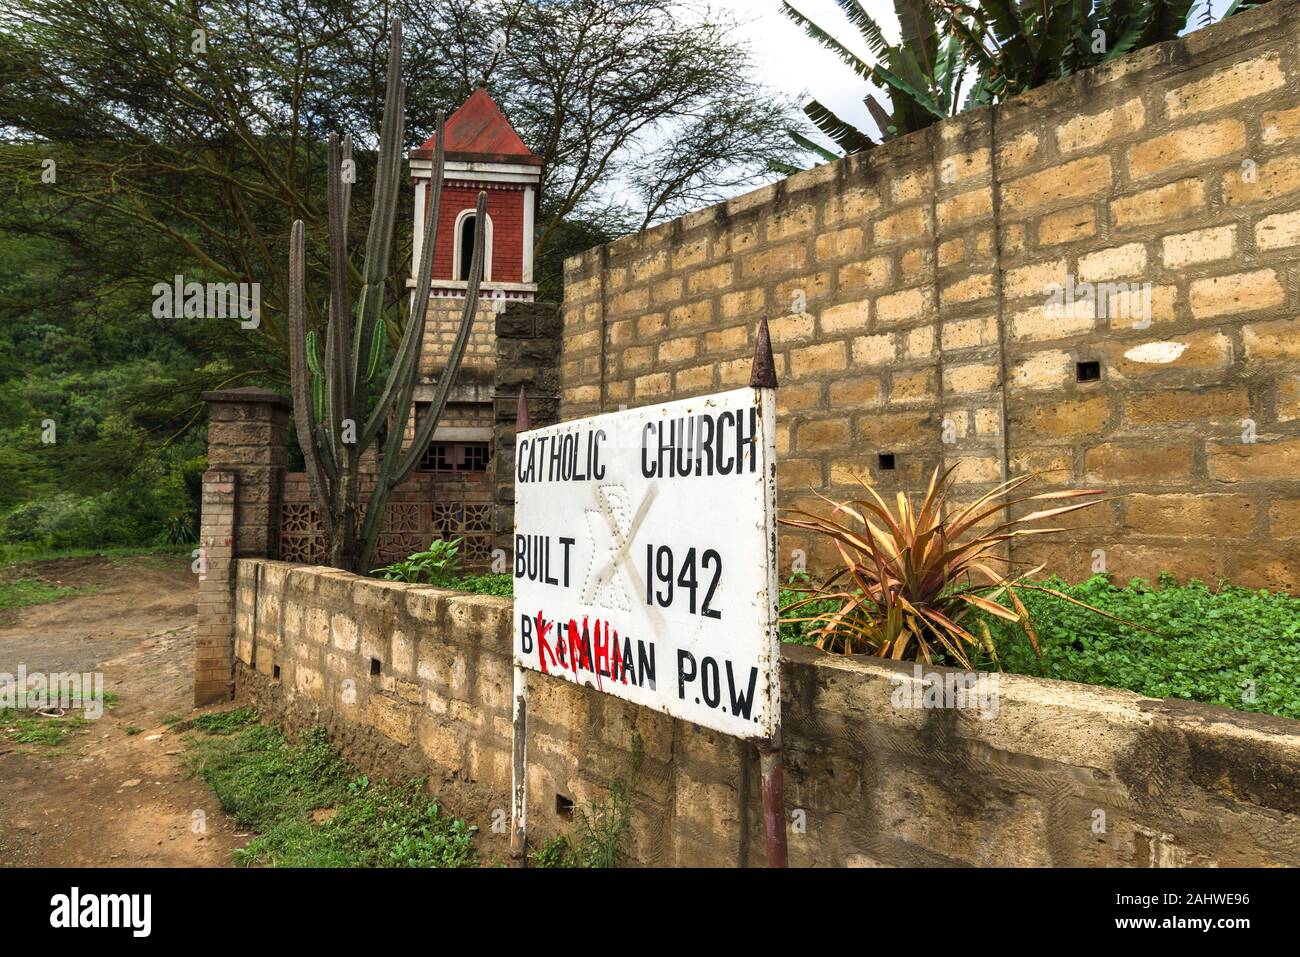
212	654
528	355
248	434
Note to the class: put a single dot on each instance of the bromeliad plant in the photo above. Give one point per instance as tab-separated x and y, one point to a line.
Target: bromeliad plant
335	421
913	579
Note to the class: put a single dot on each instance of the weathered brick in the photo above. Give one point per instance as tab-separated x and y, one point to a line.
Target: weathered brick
1158	205
1236	293
846	317
1278	126
968	333
1278	231
1259	183
1215	403
874	350
1225	87
1118	262
964	207
1261	460
791	328
1192	144
1085	132
1149	462
1062	418
1034	279
1042	370
855	392
902	306
813	360
1191	516
822	434
1041	323
976	377
908	224
1089	176
840	243
1080	222
1279	340
870	274
1199	246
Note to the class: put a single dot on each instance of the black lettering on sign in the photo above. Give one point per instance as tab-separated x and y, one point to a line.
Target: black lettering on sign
692	446
536	561
663	575
571	457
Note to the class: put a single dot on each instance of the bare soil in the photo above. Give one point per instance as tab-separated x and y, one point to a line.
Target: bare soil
105	798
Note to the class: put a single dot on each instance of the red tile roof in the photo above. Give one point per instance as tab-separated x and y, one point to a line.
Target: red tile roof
480	132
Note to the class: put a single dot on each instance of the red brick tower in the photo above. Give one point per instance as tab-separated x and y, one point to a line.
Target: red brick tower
483	153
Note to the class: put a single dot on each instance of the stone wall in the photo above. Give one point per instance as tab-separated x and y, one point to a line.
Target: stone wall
413	680
907	290
527	362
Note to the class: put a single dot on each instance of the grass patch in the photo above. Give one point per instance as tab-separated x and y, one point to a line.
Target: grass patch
11	555
311	808
503	586
225	722
32	591
25	727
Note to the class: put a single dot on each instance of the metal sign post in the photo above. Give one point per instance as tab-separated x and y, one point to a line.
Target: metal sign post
645	567
762	378
519	739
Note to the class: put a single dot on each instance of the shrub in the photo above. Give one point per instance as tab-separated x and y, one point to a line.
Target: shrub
1230	646
437	565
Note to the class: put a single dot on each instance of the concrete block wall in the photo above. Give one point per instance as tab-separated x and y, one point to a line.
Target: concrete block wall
908	291
410	679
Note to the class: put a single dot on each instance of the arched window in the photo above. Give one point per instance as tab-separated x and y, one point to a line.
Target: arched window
463	250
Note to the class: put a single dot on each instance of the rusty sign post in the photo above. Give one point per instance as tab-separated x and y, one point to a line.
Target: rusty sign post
645	567
762	379
519	741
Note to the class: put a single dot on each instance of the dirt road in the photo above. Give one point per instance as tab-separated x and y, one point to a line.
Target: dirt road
104	797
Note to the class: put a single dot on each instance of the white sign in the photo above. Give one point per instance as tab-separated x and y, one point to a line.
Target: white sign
645	558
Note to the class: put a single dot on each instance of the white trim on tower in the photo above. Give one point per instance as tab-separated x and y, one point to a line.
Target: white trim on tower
456	251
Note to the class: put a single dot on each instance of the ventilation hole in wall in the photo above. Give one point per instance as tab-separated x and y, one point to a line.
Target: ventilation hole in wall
1087	371
563	806
375	666
275	672
885	461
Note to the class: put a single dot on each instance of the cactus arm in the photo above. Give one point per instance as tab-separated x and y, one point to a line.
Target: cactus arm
439	402
394	466
299	372
338	385
407	360
328	426
376	350
379	238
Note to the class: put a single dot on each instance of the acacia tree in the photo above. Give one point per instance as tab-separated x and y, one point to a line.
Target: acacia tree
195	126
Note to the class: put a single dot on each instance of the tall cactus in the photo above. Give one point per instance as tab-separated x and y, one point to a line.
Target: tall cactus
335	423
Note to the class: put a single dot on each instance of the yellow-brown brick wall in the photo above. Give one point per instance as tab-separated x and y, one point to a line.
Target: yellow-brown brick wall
906	292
